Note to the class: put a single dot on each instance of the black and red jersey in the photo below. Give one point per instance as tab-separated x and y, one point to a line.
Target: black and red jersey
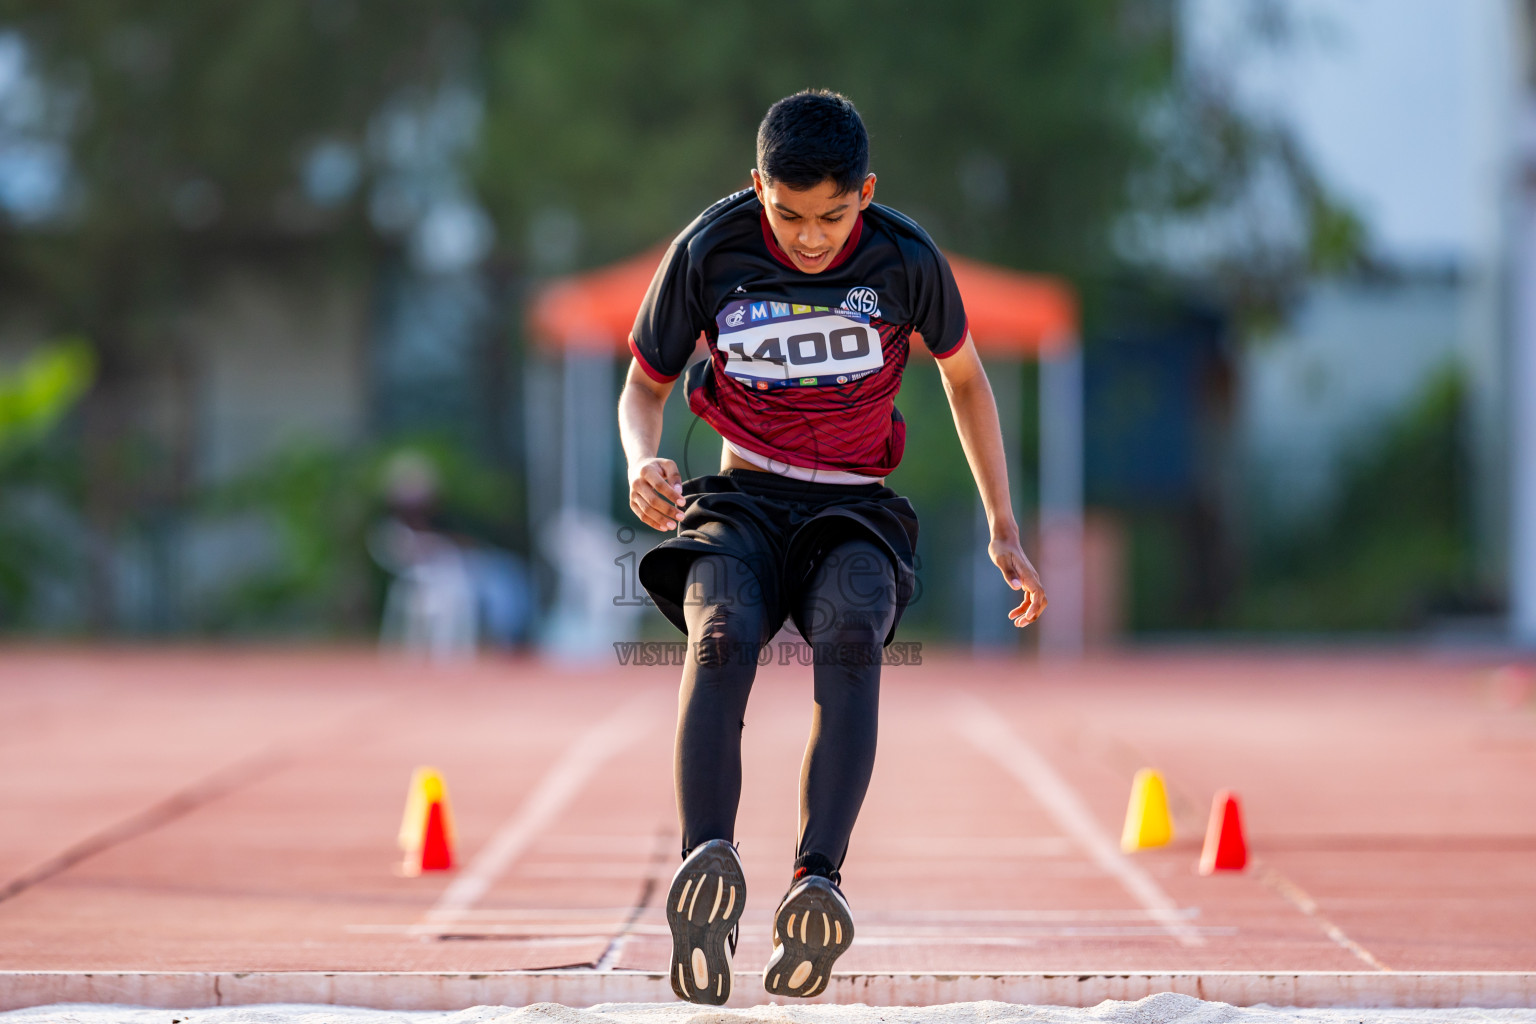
803	368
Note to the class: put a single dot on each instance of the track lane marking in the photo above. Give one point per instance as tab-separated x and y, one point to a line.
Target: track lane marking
561	783
984	728
655	882
214	786
1033	939
1302	901
256	767
1023	917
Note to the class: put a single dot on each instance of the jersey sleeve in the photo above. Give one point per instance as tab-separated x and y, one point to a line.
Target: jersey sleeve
937	312
671	316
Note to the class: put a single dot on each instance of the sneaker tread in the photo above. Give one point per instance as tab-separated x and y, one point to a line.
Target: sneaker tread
704	906
811	929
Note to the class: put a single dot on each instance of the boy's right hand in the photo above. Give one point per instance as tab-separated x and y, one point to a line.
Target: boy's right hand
656	492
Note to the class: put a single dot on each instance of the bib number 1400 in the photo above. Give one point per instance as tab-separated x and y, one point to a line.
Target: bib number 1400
811	347
809	350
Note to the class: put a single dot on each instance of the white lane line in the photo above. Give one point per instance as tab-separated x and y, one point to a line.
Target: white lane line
588	914
1298	897
986	731
1030	939
552	934
1007	917
565	778
655	881
991	847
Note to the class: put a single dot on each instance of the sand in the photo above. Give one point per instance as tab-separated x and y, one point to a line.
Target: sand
1165	1008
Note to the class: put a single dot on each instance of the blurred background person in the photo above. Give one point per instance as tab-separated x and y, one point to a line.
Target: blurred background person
448	594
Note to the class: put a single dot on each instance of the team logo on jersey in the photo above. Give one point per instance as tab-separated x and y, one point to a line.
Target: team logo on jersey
862	300
842	379
779	308
759	311
735	319
762	385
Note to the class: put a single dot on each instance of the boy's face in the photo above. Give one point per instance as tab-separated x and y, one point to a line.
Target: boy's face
812	225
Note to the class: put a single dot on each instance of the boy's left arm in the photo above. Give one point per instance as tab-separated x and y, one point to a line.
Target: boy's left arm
975	412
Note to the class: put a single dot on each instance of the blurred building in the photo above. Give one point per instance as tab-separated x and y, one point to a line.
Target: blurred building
1407	108
1354	355
1159	409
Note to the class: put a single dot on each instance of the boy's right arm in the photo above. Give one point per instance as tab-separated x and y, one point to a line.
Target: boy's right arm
655	486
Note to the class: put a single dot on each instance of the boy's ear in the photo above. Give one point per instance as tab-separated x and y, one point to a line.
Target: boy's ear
866	191
757	186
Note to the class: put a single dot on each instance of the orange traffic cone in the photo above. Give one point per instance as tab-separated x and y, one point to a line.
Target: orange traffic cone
426	832
1225	849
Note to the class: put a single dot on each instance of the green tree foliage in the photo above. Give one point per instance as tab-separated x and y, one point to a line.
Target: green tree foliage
188	128
1395	549
36	395
1024	133
1010	129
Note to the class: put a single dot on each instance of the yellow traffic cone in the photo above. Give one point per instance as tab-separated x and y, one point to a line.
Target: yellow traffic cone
1147	822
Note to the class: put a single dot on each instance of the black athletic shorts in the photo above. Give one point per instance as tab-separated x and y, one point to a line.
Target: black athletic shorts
781	528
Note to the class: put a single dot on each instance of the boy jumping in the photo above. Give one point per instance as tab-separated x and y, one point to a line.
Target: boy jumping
809	295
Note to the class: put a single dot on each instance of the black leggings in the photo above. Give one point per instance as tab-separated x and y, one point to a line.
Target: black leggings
849	607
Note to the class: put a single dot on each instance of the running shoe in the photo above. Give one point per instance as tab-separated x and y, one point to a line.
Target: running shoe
811	929
704	909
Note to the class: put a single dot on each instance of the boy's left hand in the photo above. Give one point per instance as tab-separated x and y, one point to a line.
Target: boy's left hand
1008	555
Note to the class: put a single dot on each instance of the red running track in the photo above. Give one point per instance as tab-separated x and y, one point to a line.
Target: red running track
208	810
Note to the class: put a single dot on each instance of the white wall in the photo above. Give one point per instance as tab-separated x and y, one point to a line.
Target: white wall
277	361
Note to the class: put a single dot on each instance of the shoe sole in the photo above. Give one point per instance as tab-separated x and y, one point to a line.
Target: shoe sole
707	897
814	928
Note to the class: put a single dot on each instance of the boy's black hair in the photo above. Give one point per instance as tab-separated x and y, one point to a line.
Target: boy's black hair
811	137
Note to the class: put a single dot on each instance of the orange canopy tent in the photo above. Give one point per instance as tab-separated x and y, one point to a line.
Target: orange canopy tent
1012	316
1010	313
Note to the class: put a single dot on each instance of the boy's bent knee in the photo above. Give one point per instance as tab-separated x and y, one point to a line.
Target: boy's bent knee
727	634
860	626
852	601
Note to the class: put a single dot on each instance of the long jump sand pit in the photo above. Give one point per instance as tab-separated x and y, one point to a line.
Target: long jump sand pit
194	828
1164	1008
